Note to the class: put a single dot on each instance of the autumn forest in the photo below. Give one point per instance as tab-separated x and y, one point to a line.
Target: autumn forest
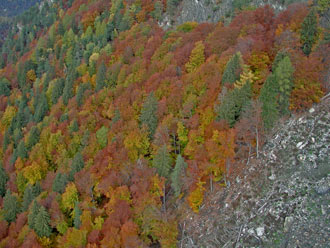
112	127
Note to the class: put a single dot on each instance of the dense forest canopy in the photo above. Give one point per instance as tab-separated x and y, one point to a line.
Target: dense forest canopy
111	127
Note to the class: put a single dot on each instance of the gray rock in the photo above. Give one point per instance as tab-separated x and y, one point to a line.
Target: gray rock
272	177
210	10
260	231
322	189
288	223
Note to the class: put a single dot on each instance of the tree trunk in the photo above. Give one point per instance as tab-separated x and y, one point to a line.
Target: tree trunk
248	160
211	183
257	139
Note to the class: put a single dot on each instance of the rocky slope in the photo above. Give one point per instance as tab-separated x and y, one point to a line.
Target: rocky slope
283	198
215	10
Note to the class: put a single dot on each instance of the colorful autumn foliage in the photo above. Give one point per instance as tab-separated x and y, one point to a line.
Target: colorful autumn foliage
118	119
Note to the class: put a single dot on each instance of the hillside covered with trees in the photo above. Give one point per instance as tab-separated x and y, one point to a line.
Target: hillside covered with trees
111	128
8	10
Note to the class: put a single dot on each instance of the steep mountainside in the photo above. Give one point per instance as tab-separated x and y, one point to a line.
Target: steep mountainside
281	199
117	131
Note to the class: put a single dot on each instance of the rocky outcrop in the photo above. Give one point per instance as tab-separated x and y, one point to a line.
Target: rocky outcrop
213	10
282	199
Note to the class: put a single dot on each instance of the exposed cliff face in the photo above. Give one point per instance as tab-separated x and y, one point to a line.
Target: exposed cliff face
281	200
214	10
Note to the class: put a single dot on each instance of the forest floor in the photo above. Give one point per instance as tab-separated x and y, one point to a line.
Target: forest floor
282	199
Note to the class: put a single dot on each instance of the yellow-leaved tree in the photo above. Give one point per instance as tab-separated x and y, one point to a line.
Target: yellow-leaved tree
195	198
69	197
196	58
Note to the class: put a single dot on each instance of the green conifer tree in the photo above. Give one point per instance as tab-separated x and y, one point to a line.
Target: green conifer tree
80	93
33	137
309	32
176	176
36	189
233	104
279	57
10	206
42	108
101	77
158	11
33	214
6	140
284	77
4	88
74	126
148	114
163	162
125	22
102	136
68	87
27	198
268	98
3	180
42	223
171	6
76	166
59	183
233	69
21	150
76	216
57	90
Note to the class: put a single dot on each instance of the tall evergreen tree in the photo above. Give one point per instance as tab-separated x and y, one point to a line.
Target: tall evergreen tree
21	150
4	88
80	93
163	161
284	78
233	104
59	183
33	214
76	216
33	137
27	198
10	206
233	69
6	140
176	176
30	193
158	11
3	180
17	136
74	127
268	98
42	223
68	87
77	165
171	6
309	32
278	58
57	90
148	114
42	108
36	189
100	77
